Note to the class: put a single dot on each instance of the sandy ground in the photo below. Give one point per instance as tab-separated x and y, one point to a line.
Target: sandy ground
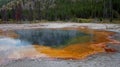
98	60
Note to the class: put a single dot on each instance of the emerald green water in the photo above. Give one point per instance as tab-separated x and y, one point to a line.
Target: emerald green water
52	38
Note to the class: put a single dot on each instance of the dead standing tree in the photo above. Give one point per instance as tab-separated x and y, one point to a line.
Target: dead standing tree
18	12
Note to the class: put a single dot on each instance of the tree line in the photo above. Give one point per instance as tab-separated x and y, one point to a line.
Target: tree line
61	10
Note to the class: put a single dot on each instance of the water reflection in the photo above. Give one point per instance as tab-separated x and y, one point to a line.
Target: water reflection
6	41
8	45
49	37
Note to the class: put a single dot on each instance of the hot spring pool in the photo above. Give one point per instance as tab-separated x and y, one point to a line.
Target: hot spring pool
52	38
53	43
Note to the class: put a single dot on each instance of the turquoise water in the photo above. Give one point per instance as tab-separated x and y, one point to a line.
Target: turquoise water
11	41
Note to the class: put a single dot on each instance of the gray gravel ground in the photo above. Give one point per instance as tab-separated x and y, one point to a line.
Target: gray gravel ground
99	60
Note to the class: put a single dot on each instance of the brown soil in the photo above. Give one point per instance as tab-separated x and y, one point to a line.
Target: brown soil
8	33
